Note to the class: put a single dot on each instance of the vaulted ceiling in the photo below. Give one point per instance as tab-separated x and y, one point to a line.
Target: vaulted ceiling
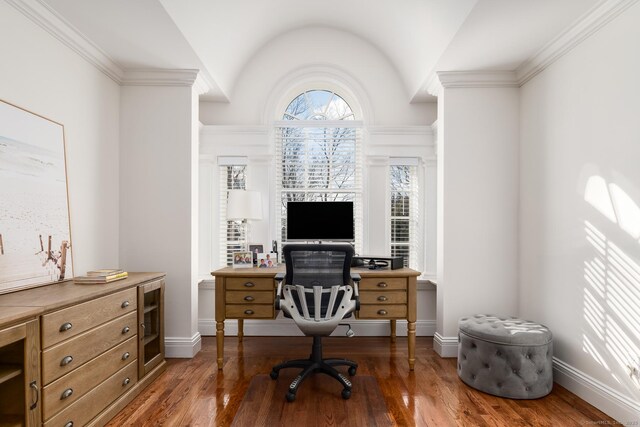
418	37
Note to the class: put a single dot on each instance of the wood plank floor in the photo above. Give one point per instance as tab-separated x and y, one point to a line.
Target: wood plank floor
192	392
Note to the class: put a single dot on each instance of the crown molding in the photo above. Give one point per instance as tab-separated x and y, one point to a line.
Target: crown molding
590	23
159	77
49	20
433	85
477	79
399	130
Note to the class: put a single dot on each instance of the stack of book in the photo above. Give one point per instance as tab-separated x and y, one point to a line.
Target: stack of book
101	276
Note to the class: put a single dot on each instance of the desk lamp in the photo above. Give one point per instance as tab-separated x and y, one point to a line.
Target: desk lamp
243	206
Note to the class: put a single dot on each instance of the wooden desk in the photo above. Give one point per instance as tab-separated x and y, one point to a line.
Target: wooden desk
249	293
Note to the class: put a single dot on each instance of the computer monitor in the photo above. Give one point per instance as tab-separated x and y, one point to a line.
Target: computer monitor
330	221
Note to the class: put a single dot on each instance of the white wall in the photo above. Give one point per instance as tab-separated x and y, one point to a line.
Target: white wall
580	215
42	75
477	207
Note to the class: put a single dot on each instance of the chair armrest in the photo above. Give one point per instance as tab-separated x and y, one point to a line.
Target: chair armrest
356	281
279	278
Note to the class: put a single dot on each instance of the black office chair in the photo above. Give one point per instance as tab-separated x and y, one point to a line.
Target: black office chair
319	291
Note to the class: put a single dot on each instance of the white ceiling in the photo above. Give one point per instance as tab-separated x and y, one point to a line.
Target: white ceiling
417	36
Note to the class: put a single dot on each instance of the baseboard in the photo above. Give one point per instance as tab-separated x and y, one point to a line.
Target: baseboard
445	346
182	347
286	327
618	406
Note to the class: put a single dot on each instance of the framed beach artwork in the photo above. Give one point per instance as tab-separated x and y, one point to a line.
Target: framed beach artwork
35	232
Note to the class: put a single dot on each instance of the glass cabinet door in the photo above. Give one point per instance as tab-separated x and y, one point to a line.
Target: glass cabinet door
151	319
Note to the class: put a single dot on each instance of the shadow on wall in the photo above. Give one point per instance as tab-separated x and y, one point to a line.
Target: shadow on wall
612	289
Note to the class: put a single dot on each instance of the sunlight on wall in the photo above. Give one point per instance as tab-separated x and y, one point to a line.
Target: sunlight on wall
612	284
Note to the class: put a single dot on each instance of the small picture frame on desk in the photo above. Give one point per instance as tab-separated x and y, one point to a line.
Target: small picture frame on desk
242	260
268	260
255	249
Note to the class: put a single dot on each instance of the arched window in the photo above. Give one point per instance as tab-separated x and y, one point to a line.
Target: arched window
319	155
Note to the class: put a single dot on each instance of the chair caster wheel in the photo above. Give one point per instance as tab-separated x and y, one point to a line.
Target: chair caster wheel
274	375
352	371
346	393
290	397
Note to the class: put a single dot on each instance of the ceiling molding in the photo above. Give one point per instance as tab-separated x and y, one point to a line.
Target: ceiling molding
477	79
592	21
159	77
49	20
433	85
399	130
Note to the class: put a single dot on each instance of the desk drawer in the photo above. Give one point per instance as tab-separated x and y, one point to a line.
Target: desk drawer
94	402
249	297
66	323
392	311
68	389
383	284
250	311
67	356
383	297
249	283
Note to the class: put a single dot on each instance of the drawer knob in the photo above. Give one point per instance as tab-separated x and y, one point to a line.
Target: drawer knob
382	312
249	298
69	424
66	327
66	360
126	381
125	330
249	284
125	356
382	285
382	298
248	312
68	392
125	304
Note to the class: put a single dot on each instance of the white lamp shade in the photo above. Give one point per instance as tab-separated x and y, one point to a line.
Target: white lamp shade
243	204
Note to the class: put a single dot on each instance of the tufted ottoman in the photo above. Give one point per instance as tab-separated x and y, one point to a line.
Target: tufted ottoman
506	357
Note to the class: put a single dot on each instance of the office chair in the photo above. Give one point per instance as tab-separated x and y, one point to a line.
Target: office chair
319	291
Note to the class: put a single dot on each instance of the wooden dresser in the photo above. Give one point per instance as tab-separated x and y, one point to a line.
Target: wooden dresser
79	353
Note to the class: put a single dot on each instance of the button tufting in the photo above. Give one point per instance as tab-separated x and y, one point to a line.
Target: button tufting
515	371
499	385
527	388
498	353
528	356
486	365
473	377
473	345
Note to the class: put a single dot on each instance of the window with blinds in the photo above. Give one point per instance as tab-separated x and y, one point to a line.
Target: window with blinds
318	156
405	237
232	233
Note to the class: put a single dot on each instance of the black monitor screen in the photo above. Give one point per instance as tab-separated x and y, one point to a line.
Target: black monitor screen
320	221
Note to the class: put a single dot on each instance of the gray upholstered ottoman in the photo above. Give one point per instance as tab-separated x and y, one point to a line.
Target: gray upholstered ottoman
506	357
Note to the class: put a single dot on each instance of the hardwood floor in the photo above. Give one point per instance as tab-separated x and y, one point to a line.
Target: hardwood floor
192	392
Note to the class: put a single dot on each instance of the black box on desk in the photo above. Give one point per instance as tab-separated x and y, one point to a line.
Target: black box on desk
378	262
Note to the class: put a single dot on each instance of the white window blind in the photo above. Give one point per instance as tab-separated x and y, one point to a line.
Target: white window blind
232	238
406	239
319	160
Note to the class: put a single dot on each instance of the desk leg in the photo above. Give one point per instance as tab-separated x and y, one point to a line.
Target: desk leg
240	329
411	335
220	342
393	330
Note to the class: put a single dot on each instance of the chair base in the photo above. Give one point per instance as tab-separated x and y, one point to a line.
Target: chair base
315	363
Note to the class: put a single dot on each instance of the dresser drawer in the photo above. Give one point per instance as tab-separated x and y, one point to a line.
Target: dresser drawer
249	297
252	283
91	404
67	356
383	297
383	283
71	387
66	323
382	311
250	311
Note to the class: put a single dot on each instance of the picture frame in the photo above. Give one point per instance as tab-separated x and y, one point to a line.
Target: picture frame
255	249
35	239
242	260
267	260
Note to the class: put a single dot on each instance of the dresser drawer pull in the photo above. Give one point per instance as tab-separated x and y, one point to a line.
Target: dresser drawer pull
126	382
126	356
382	285
69	424
66	360
382	298
125	330
124	304
65	327
249	298
249	284
34	386
68	392
248	312
382	312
